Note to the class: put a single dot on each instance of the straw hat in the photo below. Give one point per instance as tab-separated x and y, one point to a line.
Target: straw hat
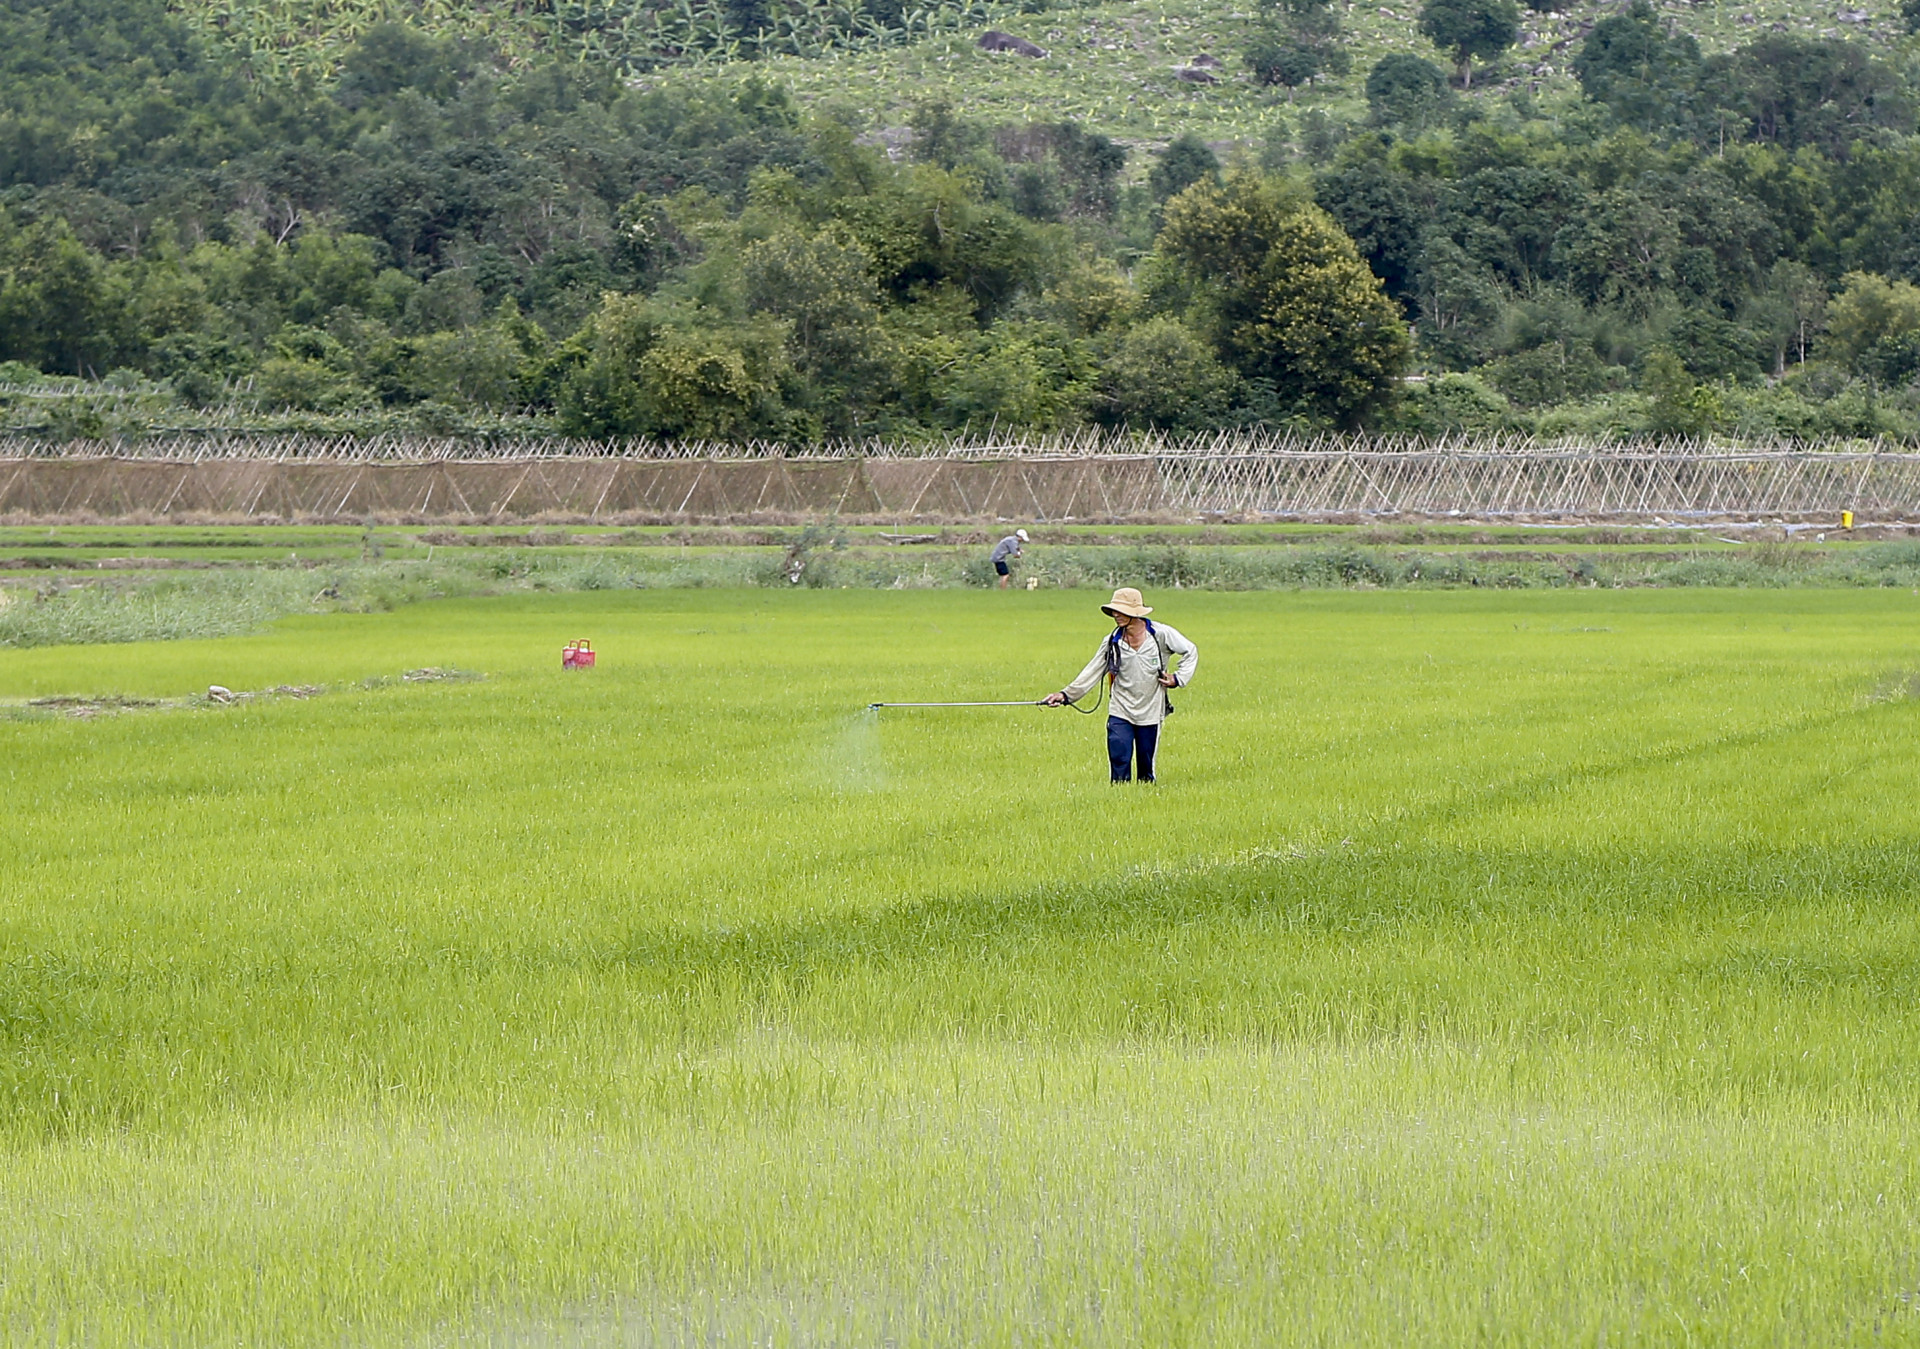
1021	535
1126	600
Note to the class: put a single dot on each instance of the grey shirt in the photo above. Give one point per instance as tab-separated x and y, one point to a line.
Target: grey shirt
1137	695
1006	548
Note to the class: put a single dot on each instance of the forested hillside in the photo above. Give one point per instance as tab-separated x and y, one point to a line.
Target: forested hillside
1444	216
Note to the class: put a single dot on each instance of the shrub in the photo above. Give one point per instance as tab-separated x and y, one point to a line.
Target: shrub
1680	407
1869	318
1160	374
649	374
305	386
1453	403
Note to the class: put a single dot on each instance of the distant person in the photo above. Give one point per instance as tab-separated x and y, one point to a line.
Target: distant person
1005	552
1143	660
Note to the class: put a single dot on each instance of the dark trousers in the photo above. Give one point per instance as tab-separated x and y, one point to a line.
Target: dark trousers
1125	742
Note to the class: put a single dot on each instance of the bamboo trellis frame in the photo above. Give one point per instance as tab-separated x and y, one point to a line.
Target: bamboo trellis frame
1084	477
199	446
1660	481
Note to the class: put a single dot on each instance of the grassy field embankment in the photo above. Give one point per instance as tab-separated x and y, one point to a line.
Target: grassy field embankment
120	583
1508	968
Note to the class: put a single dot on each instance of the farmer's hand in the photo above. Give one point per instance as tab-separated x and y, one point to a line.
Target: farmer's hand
1168	681
1054	699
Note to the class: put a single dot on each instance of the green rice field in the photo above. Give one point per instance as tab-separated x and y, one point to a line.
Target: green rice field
1494	967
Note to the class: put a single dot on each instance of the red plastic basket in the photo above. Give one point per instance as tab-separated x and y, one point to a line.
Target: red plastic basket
577	656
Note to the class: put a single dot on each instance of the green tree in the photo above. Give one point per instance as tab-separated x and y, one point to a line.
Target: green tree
1470	28
1092	295
1552	372
1016	375
1458	303
1161	374
1790	311
1870	317
308	371
1793	91
328	272
1186	161
929	228
1384	213
1405	89
1090	167
1717	349
822	285
1680	407
702	382
1278	57
941	137
652	372
477	368
1621	251
1300	42
390	57
1286	297
1645	74
822	288
59	307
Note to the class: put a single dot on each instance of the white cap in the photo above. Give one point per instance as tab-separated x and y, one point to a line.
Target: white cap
1020	534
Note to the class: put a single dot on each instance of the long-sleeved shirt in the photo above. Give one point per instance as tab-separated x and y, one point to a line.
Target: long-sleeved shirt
1137	694
1006	548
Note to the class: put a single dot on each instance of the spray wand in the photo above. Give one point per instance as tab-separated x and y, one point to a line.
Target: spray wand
1024	702
1088	710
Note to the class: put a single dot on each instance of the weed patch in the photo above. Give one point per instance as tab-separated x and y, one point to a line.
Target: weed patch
202	603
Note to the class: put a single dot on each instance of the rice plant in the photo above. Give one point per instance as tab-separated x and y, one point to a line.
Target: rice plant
1527	966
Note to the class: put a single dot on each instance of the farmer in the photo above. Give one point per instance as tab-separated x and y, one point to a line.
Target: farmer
1005	551
1139	658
